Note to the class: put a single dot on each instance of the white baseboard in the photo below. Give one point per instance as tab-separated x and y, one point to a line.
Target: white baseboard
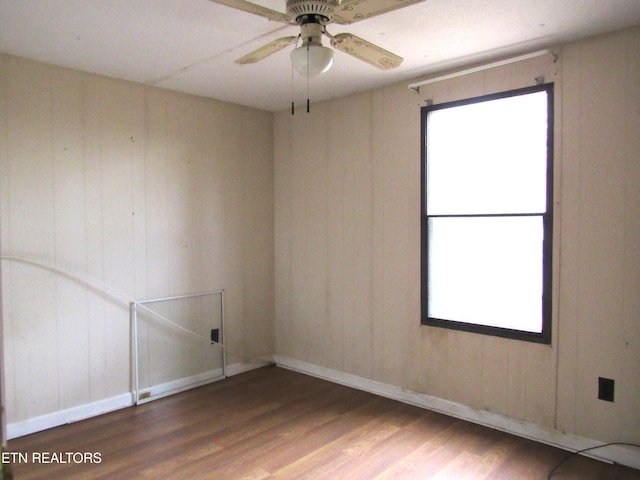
69	415
93	409
238	368
176	386
616	454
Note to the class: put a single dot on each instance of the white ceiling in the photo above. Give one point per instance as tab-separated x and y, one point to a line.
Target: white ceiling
190	45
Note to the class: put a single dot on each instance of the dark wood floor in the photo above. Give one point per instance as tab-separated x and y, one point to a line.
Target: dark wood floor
272	424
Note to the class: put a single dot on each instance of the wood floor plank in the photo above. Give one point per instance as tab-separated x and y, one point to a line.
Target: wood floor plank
275	424
381	456
377	427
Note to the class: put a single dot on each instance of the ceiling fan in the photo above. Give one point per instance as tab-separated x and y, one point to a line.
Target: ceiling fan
313	16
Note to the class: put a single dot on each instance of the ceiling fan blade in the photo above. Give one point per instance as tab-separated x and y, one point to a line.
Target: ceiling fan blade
351	11
266	50
365	51
255	9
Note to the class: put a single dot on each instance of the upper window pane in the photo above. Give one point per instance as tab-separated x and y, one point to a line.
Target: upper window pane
485	158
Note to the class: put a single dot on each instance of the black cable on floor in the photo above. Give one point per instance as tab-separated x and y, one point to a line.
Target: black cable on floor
571	455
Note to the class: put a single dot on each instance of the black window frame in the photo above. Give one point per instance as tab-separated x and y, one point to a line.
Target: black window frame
544	337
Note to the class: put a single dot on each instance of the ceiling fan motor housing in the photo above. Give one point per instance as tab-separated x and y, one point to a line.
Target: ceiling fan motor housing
311	11
312	16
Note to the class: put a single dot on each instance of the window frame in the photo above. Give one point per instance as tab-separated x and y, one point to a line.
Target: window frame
544	336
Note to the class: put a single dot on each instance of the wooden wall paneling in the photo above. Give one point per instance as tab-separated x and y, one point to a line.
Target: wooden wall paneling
122	120
299	268
5	266
181	128
213	222
355	333
34	328
549	386
201	190
495	374
283	226
358	331
629	386
379	279
198	358
138	212
517	380
381	151
602	239
5	239
340	135
434	92
466	86
235	217
257	153
540	395
137	152
435	361
157	221
171	216
365	215
501	79
314	152
211	196
70	236
157	181
526	73
192	131
390	157
465	368
163	151
412	295
106	179
568	227
97	298
298	279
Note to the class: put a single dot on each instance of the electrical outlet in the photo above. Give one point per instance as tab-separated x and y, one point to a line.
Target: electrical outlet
215	335
606	387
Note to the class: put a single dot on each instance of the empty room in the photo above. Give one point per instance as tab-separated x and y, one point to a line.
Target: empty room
262	240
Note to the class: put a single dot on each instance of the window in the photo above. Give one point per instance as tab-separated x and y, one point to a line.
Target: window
487	214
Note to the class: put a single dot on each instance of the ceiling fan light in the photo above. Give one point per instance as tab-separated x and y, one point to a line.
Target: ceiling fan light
320	60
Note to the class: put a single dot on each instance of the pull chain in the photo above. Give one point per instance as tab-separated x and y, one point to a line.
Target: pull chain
308	43
293	92
293	108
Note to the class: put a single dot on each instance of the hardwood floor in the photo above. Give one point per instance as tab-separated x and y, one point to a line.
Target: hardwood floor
273	424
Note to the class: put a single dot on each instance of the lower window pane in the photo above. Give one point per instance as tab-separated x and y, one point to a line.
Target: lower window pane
486	271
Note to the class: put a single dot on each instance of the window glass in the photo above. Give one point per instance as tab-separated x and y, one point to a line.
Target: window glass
488	157
486	216
487	270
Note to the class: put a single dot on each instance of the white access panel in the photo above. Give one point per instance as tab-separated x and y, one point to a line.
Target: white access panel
177	343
